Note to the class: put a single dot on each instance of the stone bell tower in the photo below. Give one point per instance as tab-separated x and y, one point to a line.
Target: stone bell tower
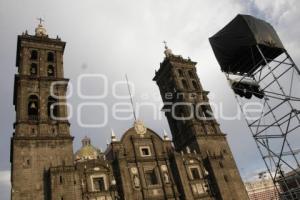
41	138
194	127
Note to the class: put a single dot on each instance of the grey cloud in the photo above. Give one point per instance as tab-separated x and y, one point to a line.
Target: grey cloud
4	184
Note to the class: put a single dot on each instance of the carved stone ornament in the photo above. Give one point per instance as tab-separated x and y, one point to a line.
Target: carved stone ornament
136	181
140	128
166	177
133	170
163	168
96	169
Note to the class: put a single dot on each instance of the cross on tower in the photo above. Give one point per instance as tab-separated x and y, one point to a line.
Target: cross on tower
41	20
165	44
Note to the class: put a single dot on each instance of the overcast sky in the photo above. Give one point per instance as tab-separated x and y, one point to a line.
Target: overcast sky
118	37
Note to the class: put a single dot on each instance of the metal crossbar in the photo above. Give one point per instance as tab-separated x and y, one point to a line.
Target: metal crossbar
272	130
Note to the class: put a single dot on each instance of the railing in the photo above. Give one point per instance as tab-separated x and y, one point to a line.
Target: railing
33	117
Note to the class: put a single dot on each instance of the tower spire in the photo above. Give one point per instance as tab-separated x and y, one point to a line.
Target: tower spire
30	111
197	133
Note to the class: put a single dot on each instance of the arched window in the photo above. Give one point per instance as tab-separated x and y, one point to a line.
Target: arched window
52	109
50	70
185	84
50	57
195	173
33	69
191	74
33	107
34	55
180	73
195	85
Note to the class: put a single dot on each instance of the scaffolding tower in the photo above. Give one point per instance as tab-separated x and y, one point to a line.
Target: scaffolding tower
265	79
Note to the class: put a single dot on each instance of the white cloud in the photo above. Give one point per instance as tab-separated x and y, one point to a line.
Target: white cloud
118	37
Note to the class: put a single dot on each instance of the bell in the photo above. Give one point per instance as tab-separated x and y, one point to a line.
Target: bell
32	105
50	71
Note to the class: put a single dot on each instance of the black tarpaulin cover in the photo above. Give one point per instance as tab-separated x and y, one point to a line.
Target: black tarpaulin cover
235	46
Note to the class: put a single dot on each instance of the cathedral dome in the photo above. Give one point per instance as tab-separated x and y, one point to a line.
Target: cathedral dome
40	31
87	151
168	52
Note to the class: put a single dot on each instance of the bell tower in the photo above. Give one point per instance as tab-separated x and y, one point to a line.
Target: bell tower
193	126
41	137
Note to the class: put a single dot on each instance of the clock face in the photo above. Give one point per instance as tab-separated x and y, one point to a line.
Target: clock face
133	170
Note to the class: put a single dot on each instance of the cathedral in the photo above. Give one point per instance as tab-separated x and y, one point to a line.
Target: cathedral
197	164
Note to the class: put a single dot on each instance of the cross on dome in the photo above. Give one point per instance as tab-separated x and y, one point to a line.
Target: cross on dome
40	20
40	31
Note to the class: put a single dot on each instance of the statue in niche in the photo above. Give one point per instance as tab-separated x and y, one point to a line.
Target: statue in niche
166	177
136	181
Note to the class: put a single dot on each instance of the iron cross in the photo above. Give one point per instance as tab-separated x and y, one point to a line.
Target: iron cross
165	43
41	20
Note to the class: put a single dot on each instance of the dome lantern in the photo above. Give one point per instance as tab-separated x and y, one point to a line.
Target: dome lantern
87	151
40	30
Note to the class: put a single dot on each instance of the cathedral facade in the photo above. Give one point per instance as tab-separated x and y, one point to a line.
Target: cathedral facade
197	164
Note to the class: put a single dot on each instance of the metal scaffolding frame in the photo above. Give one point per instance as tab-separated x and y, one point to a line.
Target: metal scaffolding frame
274	127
